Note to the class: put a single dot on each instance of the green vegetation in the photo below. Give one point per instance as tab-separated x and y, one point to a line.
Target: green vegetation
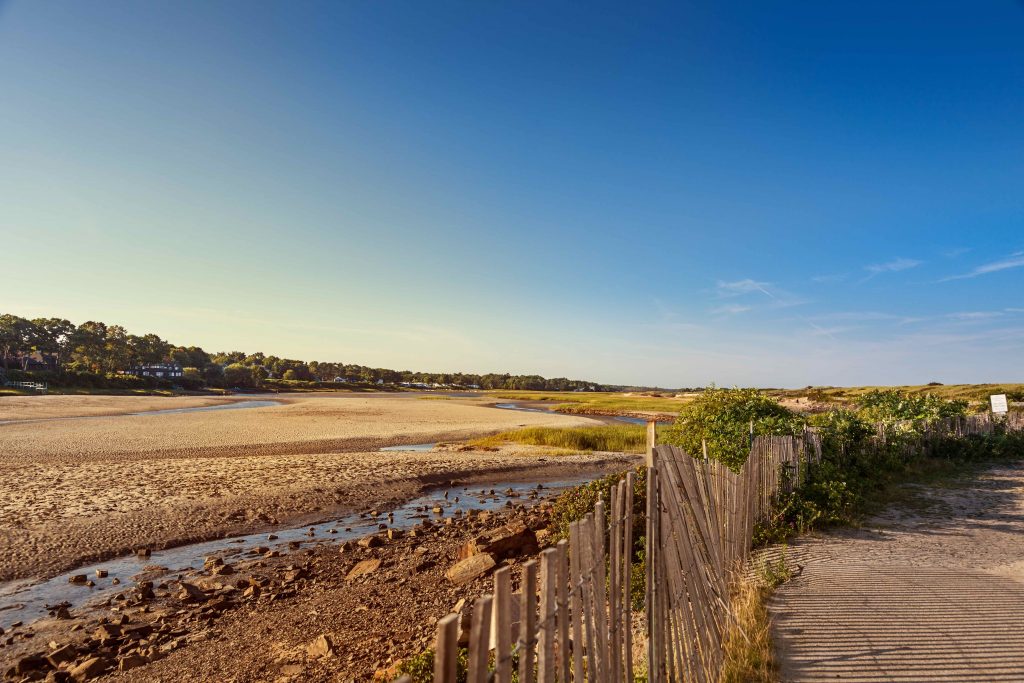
598	403
976	394
723	418
624	438
96	355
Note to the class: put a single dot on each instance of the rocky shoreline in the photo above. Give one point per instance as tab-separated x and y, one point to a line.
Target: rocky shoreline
317	611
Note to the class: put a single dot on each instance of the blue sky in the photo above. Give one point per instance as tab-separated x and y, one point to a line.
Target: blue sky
771	194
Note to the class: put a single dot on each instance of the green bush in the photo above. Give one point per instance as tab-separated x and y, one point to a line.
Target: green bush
722	419
891	405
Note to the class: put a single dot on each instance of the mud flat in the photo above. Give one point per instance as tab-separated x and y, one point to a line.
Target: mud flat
83	490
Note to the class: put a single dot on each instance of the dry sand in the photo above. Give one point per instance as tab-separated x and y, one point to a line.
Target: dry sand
88	489
933	590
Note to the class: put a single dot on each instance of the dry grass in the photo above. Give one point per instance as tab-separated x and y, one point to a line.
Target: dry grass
748	651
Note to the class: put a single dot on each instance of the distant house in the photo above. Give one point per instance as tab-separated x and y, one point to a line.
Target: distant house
162	370
339	379
38	362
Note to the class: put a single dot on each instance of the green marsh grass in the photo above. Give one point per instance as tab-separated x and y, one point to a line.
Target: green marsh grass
625	438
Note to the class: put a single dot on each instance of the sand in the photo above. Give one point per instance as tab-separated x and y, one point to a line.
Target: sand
80	490
933	590
60	406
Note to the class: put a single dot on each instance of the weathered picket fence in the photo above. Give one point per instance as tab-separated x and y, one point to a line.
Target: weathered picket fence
572	618
578	623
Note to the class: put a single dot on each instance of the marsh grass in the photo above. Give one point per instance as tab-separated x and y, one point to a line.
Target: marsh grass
584	402
615	438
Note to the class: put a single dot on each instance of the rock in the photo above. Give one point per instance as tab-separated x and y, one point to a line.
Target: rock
510	540
395	534
470	568
323	646
371	541
294	575
78	579
143	552
62	612
101	573
131	662
190	592
223	570
116	581
362	568
28	664
58	677
90	668
107	632
61	655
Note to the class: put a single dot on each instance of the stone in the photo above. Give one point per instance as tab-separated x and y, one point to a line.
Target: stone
143	552
323	646
28	664
190	593
90	668
395	534
373	541
60	655
107	632
223	570
116	581
101	573
510	540
362	568
132	662
470	568
78	579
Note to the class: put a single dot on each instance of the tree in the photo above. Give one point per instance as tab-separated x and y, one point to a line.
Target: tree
53	337
289	375
238	375
15	337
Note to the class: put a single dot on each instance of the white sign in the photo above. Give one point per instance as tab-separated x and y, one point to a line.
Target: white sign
998	403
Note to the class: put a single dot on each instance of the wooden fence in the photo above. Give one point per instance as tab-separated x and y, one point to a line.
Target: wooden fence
573	618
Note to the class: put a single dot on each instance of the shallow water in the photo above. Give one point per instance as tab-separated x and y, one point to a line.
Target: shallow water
26	600
223	406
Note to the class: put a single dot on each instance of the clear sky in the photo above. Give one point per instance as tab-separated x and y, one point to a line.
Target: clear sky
772	194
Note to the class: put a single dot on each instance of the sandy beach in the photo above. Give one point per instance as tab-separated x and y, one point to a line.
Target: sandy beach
80	490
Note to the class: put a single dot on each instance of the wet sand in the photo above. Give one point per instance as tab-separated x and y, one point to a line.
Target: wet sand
76	491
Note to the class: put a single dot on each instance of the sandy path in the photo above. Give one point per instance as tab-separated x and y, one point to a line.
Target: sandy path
931	591
73	491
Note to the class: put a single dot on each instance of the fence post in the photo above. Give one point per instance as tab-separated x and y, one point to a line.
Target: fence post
479	641
502	625
548	594
446	651
527	621
652	435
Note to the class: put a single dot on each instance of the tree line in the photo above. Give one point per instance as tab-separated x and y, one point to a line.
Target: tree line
60	350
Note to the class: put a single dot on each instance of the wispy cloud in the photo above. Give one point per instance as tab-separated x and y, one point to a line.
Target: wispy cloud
741	287
730	309
830	279
958	251
894	266
1015	260
974	315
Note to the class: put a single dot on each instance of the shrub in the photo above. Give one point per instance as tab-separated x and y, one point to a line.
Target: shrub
722	418
893	405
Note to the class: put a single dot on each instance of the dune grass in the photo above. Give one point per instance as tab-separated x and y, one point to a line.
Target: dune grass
615	438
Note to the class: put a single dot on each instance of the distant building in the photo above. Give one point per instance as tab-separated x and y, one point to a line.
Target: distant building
162	370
